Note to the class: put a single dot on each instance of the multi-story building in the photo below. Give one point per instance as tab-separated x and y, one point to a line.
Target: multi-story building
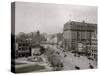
93	51
28	44
77	32
23	48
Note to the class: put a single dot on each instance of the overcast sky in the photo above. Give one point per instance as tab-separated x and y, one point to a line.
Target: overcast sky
50	18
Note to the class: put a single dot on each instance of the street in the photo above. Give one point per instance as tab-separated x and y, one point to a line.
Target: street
67	61
70	61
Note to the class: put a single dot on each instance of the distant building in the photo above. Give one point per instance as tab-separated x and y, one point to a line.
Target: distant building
52	38
59	38
77	32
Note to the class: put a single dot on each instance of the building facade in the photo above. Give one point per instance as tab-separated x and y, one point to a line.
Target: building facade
28	44
77	32
23	48
93	51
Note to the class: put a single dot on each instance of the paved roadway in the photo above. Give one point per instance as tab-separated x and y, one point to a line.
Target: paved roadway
70	61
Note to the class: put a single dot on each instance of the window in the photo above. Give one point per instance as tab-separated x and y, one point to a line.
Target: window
19	48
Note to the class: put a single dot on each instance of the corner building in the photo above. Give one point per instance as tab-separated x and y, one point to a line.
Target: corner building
77	32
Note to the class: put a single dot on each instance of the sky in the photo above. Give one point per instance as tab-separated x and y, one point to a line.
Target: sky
50	18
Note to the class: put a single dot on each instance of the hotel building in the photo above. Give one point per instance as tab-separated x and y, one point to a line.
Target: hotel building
77	32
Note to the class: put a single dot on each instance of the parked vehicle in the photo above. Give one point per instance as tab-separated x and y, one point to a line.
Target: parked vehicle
90	58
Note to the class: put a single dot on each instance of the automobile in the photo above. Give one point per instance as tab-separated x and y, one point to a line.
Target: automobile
90	58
